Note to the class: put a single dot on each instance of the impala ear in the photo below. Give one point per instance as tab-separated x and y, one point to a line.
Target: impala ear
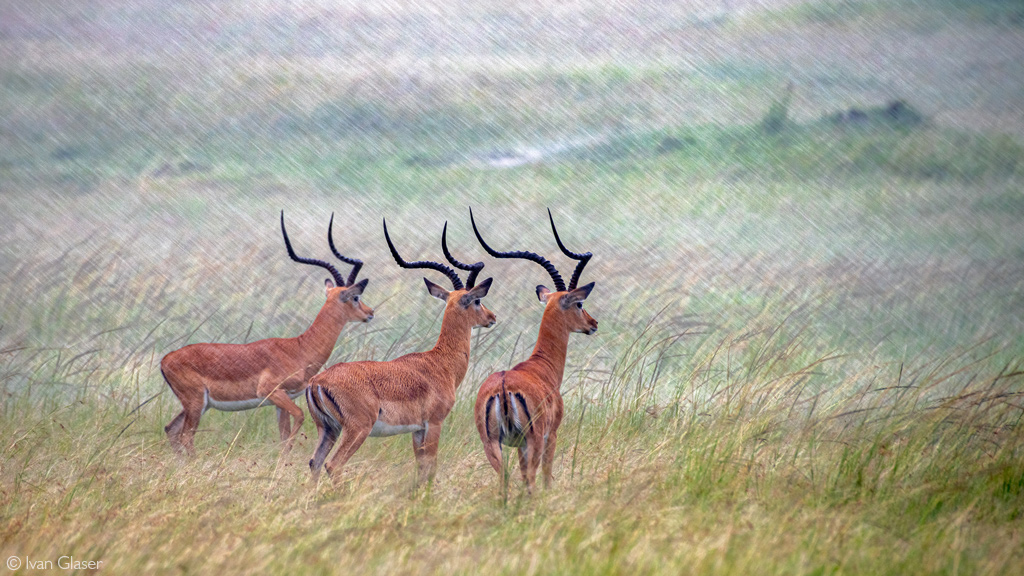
543	293
582	292
480	290
578	295
436	291
328	285
357	288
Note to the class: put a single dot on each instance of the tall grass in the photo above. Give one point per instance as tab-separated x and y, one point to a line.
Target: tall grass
714	423
741	460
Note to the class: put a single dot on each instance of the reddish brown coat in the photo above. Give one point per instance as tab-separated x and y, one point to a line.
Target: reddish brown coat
410	394
272	371
522	407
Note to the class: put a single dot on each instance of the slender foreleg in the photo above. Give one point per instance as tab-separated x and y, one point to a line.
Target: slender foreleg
424	445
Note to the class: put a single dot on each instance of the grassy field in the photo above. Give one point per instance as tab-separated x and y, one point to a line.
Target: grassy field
811	300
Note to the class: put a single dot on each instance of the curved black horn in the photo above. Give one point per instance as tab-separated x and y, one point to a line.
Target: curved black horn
473	269
583	258
456	283
552	271
355	262
314	262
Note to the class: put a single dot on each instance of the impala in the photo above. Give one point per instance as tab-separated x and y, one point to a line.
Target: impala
410	394
522	407
273	371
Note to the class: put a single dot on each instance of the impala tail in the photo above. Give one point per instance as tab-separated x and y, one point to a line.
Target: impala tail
507	417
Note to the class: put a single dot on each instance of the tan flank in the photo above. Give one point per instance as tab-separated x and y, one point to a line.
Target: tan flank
272	371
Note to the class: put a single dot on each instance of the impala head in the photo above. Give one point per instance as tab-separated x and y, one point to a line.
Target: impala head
565	304
348	300
344	299
464	301
568	307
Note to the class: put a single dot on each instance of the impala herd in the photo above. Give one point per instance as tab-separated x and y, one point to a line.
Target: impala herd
412	394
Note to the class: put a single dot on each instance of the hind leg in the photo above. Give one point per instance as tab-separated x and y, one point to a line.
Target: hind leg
327	438
489	433
351	440
530	457
492	449
523	464
173	430
549	457
188	429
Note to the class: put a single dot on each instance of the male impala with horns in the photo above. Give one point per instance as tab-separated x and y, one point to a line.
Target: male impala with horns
273	371
522	407
412	394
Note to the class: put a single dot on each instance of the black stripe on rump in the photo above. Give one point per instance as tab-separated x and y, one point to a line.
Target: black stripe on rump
487	416
316	410
526	410
333	403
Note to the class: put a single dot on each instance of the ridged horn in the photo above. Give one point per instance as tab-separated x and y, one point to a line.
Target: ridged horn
355	262
583	258
456	282
473	269
523	255
291	253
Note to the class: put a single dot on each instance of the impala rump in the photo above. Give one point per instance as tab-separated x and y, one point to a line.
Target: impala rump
507	417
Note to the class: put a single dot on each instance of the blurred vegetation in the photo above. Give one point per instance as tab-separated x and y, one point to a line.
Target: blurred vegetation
912	13
810	351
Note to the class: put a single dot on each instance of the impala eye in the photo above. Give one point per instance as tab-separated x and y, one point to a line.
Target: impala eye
579	305
355	298
476	302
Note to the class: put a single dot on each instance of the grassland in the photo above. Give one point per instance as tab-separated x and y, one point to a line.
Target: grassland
811	307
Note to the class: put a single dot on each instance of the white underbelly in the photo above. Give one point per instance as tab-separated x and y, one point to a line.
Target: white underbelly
381	428
237	405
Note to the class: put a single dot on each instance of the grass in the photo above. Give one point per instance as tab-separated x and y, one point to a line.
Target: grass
809	359
749	452
717	423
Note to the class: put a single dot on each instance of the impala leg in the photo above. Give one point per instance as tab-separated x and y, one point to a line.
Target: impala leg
424	446
351	439
188	429
492	449
284	403
328	436
284	424
173	430
549	457
530	458
523	465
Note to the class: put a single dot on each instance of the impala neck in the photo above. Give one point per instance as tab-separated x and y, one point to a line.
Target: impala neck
318	341
549	353
452	347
